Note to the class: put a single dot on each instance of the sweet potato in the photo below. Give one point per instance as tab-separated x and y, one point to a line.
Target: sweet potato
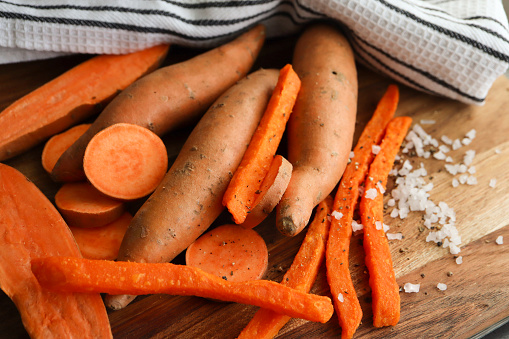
231	252
320	130
125	161
72	97
58	144
241	193
82	205
31	228
170	96
102	242
190	196
89	276
273	186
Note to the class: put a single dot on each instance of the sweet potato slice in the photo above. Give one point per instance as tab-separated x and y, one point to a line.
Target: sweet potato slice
125	161
231	252
82	205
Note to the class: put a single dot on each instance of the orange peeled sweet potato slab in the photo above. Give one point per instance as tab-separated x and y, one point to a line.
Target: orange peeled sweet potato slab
72	97
102	242
58	144
30	228
125	161
82	205
231	252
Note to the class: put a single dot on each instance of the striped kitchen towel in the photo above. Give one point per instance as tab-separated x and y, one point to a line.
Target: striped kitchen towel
452	48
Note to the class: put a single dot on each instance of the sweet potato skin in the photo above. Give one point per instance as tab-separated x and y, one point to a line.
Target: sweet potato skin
189	198
170	96
321	127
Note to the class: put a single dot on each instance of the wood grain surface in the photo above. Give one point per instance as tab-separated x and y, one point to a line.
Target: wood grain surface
477	294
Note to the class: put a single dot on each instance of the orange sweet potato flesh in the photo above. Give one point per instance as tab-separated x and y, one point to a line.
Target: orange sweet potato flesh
72	97
89	276
321	127
82	205
125	161
170	96
58	144
190	196
231	252
273	186
382	279
31	228
103	242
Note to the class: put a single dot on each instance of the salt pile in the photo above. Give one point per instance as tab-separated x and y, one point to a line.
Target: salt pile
412	192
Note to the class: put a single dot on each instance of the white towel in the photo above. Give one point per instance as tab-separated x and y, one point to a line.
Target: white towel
452	48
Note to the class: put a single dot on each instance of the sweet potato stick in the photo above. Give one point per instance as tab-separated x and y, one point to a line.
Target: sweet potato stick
88	276
384	288
338	274
300	276
248	177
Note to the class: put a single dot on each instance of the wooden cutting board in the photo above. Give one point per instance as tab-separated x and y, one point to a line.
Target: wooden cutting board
477	295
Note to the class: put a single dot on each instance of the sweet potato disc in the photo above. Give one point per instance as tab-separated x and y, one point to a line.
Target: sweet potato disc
82	205
125	161
231	252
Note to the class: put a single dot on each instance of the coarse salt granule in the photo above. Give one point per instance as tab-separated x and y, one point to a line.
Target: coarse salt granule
444	148
337	215
352	154
340	297
471	180
453	169
459	260
446	140
385	227
441	286
375	149
463	179
427	122
439	155
471	170
371	193
394	213
380	187
471	134
500	240
466	141
378	225
394	236
469	157
391	202
456	144
409	287
497	151
357	226
493	182
449	159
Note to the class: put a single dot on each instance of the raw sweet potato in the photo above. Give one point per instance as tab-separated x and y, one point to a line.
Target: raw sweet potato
125	161
102	242
82	205
231	252
190	196
320	130
70	98
58	144
170	96
273	186
31	228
